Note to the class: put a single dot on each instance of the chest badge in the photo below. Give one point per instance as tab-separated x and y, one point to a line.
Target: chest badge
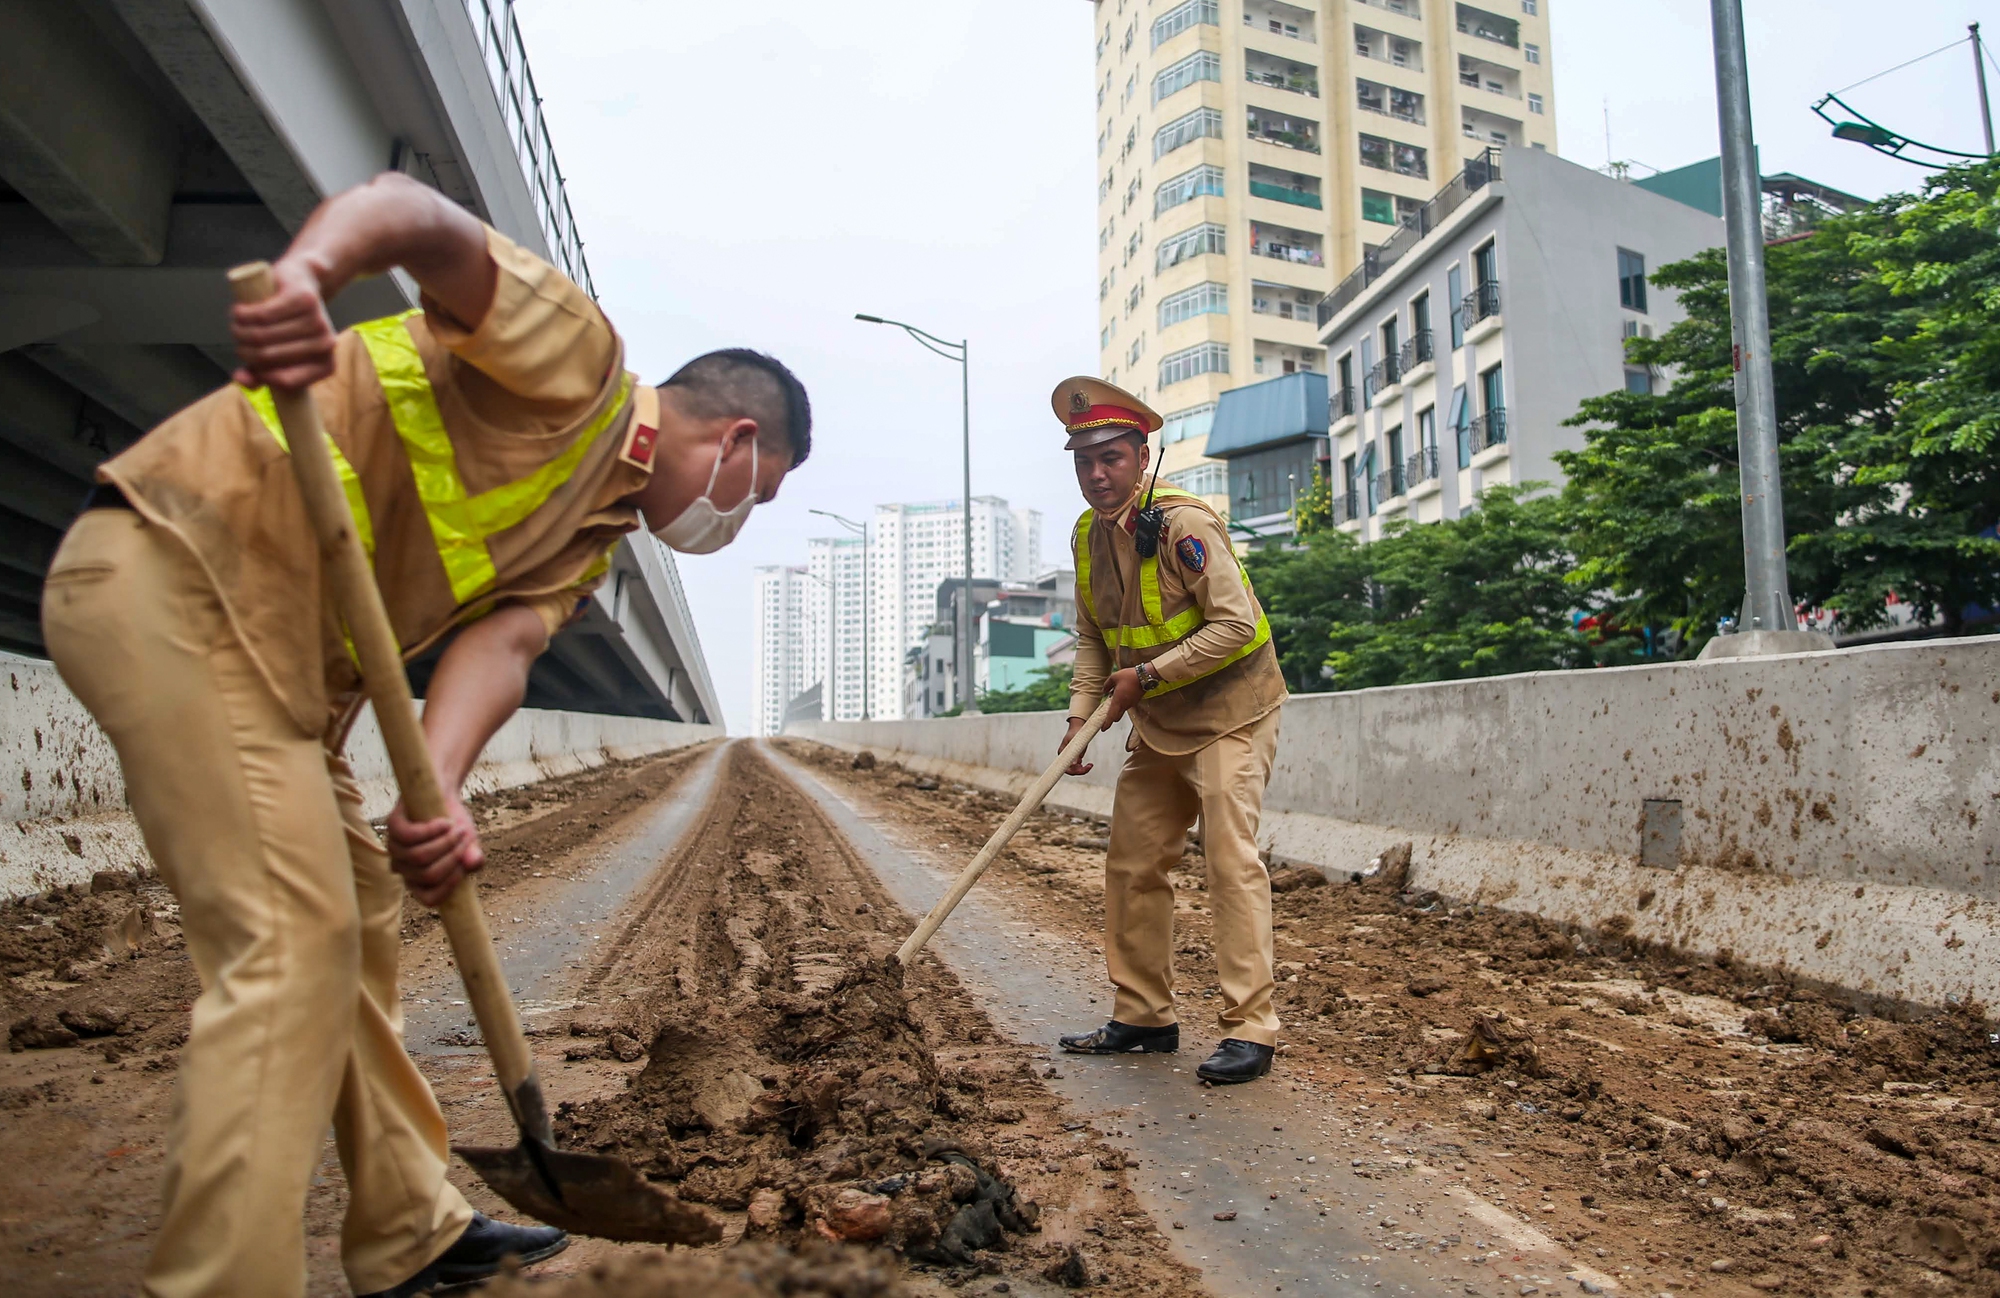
1192	553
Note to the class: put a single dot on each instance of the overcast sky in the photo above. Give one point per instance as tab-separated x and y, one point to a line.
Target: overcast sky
754	175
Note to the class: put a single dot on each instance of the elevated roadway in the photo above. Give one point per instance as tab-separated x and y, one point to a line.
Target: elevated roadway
147	145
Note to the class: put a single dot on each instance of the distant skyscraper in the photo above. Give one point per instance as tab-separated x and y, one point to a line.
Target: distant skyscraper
913	548
778	657
833	631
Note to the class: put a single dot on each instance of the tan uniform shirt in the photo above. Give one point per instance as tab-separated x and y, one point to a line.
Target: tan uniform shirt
514	392
1195	715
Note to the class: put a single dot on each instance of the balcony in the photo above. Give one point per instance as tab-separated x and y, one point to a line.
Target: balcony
1389	483
1389	101
1493	78
1383	376
1481	305
1389	155
1421	468
1384	48
1284	186
1489	27
1260	69
1407	8
1488	430
1276	19
1415	353
1491	128
1341	405
1347	508
1284	131
1281	244
1282	301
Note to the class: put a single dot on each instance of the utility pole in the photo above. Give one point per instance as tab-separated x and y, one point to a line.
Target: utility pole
1979	71
1769	622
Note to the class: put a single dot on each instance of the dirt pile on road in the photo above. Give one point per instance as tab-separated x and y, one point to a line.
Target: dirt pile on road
752	1271
1660	1112
788	1074
101	966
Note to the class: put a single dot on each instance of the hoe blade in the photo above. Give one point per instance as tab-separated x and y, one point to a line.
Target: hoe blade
589	1194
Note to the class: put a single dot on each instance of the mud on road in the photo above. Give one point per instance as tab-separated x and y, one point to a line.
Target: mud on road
1675	1124
736	1034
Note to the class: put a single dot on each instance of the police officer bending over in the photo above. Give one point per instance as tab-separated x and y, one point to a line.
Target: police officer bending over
493	448
1168	626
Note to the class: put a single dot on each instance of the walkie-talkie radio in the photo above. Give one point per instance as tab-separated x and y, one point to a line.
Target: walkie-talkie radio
1150	521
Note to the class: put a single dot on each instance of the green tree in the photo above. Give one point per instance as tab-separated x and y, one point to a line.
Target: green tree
1047	690
1306	591
1480	595
1884	363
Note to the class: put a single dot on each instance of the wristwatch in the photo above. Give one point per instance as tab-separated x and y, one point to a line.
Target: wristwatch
1149	680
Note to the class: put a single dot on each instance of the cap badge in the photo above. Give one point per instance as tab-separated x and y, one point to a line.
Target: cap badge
1079	402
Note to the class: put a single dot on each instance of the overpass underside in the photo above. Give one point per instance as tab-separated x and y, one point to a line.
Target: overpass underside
148	145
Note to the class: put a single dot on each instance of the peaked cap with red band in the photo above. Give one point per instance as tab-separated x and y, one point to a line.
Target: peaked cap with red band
1094	411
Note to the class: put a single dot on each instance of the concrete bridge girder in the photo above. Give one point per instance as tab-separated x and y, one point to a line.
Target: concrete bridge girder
157	142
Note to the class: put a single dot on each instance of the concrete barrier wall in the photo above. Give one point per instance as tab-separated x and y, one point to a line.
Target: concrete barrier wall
1838	813
62	795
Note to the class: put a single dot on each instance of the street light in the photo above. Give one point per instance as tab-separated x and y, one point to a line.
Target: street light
958	351
867	612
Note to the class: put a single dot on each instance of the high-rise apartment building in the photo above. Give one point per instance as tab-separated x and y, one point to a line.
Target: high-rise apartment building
834	631
1250	153
778	654
915	547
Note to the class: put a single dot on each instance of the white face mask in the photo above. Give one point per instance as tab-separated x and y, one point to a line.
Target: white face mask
701	528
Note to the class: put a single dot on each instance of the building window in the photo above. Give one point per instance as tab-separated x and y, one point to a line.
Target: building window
1105	336
1138	350
1427	429
1492	395
1203	65
1631	280
1528	7
1639	381
1534	103
1132	298
1202	299
1202	123
1378	206
1203	358
1210	478
1195	13
1205	238
1454	292
1186	425
1187	187
1532	53
1461	425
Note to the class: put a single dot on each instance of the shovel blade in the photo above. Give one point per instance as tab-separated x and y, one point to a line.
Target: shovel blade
589	1194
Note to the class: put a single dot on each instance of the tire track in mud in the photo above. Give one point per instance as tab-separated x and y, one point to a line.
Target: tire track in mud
791	1074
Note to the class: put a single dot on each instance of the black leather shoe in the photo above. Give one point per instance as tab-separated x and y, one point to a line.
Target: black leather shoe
1235	1061
1116	1038
478	1255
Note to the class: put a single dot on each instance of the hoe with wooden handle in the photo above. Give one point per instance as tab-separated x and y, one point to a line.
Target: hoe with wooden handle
587	1193
1008	828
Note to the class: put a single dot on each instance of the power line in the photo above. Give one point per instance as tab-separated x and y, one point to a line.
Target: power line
1900	66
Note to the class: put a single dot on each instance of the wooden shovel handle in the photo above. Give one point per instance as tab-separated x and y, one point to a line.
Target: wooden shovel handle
355	594
1008	828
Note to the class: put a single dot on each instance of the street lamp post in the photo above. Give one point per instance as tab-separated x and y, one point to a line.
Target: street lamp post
867	611
960	352
1767	598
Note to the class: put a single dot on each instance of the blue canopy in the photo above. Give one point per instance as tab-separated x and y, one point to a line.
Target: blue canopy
1268	414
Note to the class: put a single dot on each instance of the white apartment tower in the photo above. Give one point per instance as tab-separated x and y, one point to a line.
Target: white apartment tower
913	548
834	635
778	657
1251	153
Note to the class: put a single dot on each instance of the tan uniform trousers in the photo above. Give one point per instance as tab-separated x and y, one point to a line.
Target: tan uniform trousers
292	916
1157	801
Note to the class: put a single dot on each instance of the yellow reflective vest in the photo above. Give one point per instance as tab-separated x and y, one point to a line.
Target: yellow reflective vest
460	522
1158	631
